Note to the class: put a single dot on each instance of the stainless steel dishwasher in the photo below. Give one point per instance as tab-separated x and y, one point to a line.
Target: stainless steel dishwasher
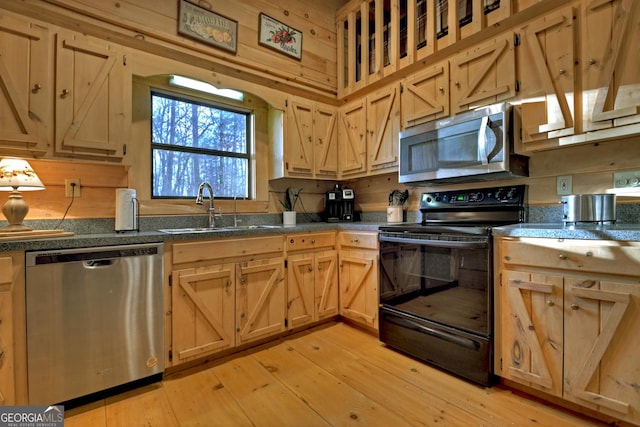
95	320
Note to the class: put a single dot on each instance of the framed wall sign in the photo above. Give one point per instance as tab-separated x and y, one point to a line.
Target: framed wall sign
280	37
207	26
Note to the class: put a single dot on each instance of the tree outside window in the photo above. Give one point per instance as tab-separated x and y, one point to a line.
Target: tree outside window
195	141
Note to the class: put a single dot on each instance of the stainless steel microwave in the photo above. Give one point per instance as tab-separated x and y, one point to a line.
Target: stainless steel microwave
472	146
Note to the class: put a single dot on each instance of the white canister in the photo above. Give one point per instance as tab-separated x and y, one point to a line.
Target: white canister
395	214
289	218
126	209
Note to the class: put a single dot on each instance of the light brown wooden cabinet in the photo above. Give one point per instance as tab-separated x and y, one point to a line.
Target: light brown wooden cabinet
13	351
310	140
352	139
312	277
26	107
203	310
224	293
569	313
260	299
92	97
368	134
358	262
484	74
546	58
383	129
66	94
425	95
610	61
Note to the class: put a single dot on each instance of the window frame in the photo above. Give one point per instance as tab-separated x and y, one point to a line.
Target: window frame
212	101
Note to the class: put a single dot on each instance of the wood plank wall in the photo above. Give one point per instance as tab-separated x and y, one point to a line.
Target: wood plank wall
136	22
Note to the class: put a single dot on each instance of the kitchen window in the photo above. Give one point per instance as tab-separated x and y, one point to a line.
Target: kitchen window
197	139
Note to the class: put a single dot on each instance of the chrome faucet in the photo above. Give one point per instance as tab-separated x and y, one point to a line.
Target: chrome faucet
235	211
199	201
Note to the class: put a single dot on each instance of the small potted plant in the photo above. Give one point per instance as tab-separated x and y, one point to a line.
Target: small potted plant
395	211
289	205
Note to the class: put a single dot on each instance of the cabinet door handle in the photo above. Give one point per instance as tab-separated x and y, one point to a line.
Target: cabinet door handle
36	88
64	93
310	268
313	241
575	307
243	280
592	61
562	256
550	303
355	241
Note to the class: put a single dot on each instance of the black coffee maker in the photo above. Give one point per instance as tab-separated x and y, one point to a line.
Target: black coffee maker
339	205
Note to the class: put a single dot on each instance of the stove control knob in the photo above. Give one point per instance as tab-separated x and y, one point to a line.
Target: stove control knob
511	193
499	194
438	198
478	197
429	199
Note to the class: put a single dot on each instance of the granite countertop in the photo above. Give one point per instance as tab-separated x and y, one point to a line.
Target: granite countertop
589	231
137	237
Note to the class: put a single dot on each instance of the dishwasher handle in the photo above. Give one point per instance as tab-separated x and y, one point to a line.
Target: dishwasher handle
98	263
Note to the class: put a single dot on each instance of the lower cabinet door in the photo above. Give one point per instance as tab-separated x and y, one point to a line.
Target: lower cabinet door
260	299
602	367
202	311
532	330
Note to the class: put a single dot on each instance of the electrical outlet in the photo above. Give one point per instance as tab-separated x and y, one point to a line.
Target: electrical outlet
72	187
563	185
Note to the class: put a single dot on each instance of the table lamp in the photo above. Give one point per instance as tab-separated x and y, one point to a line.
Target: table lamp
17	175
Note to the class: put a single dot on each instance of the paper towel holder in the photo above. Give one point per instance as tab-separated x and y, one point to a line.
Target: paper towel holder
128	220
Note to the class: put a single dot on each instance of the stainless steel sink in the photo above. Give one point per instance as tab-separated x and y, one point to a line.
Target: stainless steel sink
189	230
252	227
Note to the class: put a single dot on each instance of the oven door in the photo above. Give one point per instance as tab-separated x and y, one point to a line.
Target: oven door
435	300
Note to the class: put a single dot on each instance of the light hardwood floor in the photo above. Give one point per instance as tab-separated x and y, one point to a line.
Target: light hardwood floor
332	375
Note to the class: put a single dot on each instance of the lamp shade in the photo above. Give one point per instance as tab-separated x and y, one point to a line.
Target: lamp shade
17	174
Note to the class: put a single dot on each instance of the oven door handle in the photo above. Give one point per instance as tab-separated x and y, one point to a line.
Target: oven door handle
435	243
463	342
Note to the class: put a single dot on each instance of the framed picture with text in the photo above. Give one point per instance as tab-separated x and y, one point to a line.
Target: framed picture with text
280	37
207	26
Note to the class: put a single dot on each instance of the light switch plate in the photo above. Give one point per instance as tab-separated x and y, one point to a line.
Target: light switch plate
563	185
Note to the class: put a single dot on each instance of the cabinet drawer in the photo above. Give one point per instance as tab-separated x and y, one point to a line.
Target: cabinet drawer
604	256
215	249
302	241
358	239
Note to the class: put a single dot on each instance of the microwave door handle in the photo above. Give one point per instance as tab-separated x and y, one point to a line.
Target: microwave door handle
482	141
497	131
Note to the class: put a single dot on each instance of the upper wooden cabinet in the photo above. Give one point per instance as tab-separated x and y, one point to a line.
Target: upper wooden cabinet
610	62
483	75
383	128
92	97
424	96
546	59
26	108
310	145
352	128
368	134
